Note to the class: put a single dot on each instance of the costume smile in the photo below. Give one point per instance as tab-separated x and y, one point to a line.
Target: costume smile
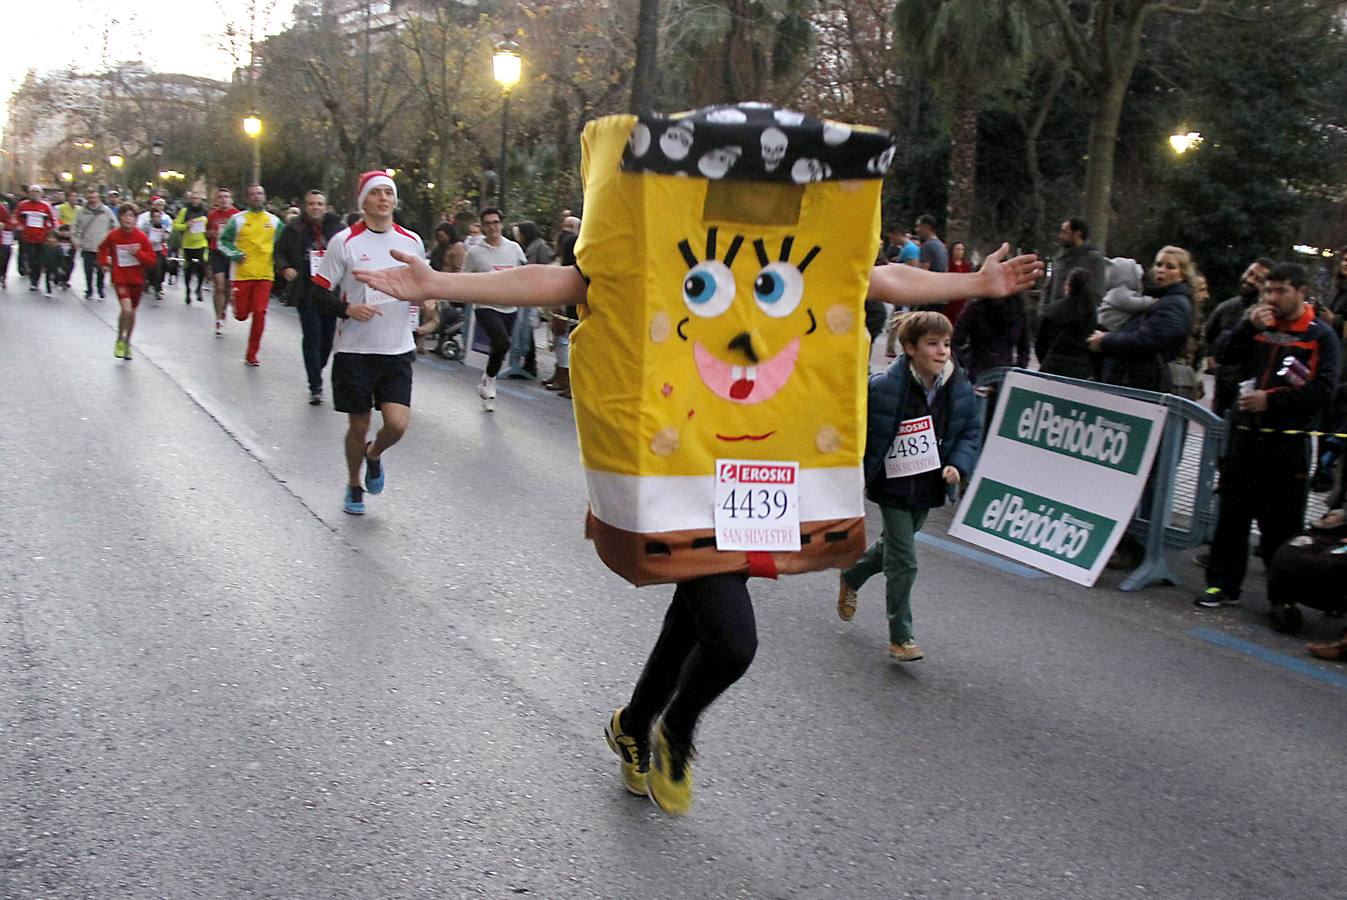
746	384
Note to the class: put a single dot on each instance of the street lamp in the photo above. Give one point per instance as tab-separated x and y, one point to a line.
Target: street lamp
67	177
116	160
87	168
1182	142
506	65
252	126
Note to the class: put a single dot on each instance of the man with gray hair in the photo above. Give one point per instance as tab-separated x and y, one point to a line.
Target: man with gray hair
92	224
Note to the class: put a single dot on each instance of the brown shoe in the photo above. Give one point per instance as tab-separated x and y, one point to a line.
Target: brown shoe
846	599
907	651
1334	651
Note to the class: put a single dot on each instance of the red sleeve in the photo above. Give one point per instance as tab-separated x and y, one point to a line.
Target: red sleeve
105	251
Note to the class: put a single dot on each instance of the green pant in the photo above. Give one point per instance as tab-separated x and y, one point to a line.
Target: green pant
896	554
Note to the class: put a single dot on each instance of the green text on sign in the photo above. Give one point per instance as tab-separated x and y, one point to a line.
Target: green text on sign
1045	526
1093	434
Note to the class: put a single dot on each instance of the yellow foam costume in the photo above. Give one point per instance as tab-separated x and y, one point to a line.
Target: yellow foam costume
728	253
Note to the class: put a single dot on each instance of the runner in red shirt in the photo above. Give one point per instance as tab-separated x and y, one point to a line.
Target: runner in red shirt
125	252
34	218
216	218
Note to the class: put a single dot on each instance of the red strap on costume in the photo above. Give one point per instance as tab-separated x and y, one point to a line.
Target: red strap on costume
760	564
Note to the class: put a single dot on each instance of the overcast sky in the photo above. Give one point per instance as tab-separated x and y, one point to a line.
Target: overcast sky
49	35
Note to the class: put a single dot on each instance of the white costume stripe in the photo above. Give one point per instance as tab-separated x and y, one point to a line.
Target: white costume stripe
649	504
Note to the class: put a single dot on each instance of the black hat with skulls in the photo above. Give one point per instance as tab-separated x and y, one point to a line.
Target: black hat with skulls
756	142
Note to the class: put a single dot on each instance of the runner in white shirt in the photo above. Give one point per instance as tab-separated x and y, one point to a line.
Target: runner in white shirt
373	349
494	254
158	227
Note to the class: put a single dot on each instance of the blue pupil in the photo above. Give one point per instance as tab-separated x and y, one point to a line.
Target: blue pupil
699	288
769	288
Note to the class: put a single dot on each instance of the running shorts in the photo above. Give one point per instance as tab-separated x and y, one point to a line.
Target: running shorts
361	381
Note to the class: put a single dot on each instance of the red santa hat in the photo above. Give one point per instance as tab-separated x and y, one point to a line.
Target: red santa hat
369	181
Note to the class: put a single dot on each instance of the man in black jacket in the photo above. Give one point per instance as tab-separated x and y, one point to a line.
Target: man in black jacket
298	250
1078	252
1222	324
1289	360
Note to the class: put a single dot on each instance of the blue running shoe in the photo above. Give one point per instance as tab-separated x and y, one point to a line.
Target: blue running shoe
374	474
355	501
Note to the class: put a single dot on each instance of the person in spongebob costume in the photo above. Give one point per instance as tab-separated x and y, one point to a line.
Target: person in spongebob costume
723	262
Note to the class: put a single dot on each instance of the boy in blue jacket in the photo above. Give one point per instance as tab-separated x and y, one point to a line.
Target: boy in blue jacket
922	439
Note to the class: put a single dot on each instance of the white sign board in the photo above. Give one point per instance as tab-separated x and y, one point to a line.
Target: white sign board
1061	471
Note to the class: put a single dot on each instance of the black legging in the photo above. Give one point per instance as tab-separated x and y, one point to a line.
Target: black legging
194	261
31	257
707	644
5	250
498	327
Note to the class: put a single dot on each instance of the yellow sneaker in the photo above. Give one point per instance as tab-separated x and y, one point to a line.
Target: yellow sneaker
635	753
670	781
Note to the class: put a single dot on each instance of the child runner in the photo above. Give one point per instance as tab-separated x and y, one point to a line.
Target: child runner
125	252
922	439
709	635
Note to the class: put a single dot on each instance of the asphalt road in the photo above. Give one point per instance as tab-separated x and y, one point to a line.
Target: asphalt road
213	683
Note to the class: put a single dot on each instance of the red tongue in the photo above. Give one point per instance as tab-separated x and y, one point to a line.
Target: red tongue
741	389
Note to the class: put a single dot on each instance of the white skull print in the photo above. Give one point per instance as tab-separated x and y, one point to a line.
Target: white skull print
774	143
880	164
807	170
835	133
639	140
717	163
676	141
727	116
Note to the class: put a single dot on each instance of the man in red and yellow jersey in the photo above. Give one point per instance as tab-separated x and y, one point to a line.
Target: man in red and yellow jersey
248	239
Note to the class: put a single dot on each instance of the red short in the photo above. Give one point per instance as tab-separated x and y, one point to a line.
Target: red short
129	292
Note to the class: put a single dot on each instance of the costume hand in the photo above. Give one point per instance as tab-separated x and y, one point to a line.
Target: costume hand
1254	401
1096	340
415	281
950	474
362	312
1002	277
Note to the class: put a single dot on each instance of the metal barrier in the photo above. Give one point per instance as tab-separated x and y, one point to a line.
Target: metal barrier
1182	481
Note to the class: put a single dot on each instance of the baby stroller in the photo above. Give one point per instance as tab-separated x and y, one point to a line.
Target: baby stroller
448	333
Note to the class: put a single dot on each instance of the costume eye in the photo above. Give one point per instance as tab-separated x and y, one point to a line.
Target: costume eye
778	289
709	289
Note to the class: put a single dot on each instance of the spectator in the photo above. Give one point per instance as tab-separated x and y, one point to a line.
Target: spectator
448	251
523	346
1263	475
933	257
1078	252
958	262
992	333
1222	322
1334	311
564	320
1137	355
1065	327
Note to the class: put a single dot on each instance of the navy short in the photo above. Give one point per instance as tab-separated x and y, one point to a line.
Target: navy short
362	381
219	263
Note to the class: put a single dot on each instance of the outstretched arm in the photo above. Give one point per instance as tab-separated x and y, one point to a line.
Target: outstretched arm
998	277
520	286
